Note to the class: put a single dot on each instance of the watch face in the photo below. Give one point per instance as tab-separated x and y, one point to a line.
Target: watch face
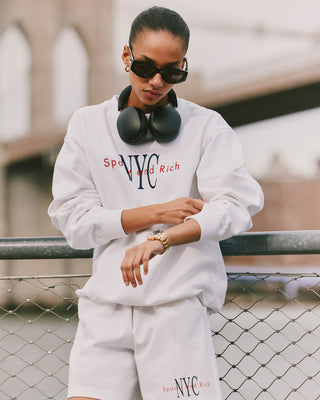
156	232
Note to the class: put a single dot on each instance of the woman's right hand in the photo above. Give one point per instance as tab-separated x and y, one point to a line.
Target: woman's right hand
175	211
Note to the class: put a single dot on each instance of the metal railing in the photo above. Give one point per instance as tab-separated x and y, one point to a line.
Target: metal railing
267	336
257	243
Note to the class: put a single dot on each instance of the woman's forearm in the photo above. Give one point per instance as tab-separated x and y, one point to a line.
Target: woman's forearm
137	219
172	212
184	233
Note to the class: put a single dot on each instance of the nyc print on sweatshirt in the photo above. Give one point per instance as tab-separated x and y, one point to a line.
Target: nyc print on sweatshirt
143	170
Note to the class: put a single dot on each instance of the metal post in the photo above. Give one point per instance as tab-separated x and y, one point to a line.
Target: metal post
5	265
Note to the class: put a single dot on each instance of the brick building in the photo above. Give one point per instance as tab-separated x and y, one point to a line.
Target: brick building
291	203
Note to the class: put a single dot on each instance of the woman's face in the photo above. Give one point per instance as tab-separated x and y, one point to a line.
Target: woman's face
162	49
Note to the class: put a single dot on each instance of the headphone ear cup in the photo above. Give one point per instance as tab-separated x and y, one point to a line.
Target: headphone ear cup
132	125
164	123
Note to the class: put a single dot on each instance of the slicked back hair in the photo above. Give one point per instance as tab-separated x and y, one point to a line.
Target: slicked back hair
160	19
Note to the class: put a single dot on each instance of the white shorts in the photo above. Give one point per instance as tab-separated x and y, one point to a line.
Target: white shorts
166	349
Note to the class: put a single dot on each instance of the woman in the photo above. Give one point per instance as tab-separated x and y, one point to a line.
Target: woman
152	183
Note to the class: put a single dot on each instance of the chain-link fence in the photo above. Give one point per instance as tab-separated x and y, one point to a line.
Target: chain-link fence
38	318
267	336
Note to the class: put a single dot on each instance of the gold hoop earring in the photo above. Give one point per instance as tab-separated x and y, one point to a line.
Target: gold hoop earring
126	68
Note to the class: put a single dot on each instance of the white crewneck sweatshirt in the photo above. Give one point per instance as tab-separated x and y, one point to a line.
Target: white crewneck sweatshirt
97	176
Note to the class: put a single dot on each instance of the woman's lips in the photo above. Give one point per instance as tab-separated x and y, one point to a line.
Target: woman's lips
151	94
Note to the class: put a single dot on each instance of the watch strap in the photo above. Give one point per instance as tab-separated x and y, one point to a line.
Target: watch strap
162	237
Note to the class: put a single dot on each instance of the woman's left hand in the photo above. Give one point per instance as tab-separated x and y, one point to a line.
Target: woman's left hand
137	256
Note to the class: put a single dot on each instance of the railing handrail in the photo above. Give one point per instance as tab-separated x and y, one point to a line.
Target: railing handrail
251	243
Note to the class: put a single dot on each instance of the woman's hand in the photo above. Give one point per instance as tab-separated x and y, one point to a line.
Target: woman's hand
175	211
137	256
184	233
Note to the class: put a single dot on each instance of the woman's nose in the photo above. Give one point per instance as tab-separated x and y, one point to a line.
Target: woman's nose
156	80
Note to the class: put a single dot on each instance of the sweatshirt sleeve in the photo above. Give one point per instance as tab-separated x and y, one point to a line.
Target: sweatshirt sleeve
232	196
76	209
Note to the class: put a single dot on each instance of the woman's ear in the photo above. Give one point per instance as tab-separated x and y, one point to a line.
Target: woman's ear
126	56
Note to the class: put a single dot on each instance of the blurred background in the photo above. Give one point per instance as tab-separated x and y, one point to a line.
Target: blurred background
257	63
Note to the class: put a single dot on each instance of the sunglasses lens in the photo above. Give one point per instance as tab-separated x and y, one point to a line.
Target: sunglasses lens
143	69
173	75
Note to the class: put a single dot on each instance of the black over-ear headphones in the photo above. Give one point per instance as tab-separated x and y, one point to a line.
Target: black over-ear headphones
164	122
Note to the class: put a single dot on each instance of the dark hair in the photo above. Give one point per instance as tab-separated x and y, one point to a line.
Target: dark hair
160	19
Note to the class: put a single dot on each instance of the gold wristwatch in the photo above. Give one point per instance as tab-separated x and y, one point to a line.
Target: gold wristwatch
162	237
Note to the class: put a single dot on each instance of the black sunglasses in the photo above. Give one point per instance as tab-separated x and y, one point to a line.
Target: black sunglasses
145	69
